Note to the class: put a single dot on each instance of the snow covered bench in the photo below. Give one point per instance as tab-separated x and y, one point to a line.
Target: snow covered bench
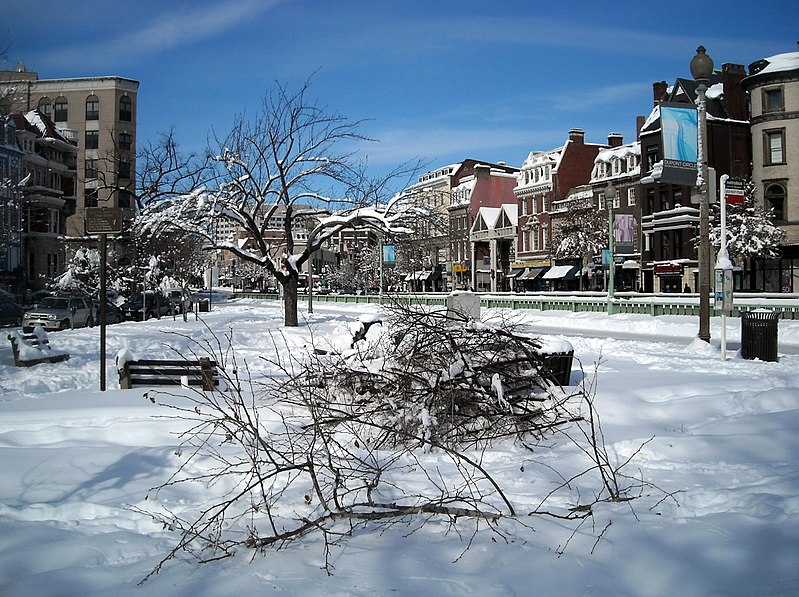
202	372
34	348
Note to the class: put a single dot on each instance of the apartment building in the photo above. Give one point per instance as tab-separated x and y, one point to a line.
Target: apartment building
547	177
99	114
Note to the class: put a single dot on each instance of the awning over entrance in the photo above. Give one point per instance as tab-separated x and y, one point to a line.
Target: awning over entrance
533	272
561	272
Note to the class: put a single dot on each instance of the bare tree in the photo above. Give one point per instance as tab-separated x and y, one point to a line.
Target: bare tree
274	168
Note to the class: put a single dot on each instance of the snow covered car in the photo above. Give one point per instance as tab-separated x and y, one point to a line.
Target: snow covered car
59	313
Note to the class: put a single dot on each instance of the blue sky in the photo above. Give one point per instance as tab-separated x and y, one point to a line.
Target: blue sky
440	80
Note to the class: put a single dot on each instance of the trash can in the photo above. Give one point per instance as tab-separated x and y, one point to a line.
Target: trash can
557	357
203	305
759	334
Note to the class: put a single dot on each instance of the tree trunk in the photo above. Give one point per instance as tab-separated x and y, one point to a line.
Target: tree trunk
290	318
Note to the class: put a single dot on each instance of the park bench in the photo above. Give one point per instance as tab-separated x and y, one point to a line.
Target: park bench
202	372
34	348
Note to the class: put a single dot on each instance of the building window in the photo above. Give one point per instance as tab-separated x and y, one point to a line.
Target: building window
124	199
90	198
46	107
92	108
52	265
92	139
61	110
91	168
534	244
631	196
773	100
774	150
652	156
775	200
665	246
665	203
124	170
650	201
125	109
52	224
125	141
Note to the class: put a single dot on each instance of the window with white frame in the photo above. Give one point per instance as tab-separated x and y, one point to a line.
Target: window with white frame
631	196
774	147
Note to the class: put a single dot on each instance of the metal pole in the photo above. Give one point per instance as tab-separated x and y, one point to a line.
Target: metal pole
704	218
610	197
102	313
723	257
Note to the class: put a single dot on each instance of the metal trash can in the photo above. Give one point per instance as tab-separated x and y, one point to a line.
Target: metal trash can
203	305
557	357
759	334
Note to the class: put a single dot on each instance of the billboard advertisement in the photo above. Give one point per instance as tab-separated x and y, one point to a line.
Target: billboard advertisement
679	132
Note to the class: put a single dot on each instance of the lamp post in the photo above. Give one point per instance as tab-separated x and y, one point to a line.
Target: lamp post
701	70
610	196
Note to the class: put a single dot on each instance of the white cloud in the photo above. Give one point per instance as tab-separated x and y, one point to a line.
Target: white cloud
165	31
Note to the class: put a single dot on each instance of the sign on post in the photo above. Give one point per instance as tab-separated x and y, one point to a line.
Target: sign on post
735	190
103	220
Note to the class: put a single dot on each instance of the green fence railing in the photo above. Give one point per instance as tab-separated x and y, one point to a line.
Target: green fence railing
636	303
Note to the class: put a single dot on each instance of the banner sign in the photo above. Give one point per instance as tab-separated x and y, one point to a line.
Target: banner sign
624	232
679	127
389	254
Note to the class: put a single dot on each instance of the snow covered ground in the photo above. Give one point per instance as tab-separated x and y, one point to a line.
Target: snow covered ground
75	464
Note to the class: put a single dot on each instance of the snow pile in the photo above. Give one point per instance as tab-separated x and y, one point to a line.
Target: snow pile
719	437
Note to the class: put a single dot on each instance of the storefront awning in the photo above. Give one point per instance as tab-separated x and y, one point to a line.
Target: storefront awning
533	272
561	272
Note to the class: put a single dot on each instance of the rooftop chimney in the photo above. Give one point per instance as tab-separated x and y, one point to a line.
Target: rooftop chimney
577	135
735	103
615	139
658	91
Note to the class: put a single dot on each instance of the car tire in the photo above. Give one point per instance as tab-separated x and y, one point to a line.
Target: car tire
89	322
64	325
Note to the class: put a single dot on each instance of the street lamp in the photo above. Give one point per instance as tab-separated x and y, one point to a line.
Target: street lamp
702	69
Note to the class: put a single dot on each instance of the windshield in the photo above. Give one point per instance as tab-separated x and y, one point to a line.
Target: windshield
54	303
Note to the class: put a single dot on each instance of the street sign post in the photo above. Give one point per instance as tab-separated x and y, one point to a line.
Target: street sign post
103	221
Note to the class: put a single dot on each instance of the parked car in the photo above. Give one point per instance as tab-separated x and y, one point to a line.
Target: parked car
113	313
154	305
10	313
59	313
180	299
